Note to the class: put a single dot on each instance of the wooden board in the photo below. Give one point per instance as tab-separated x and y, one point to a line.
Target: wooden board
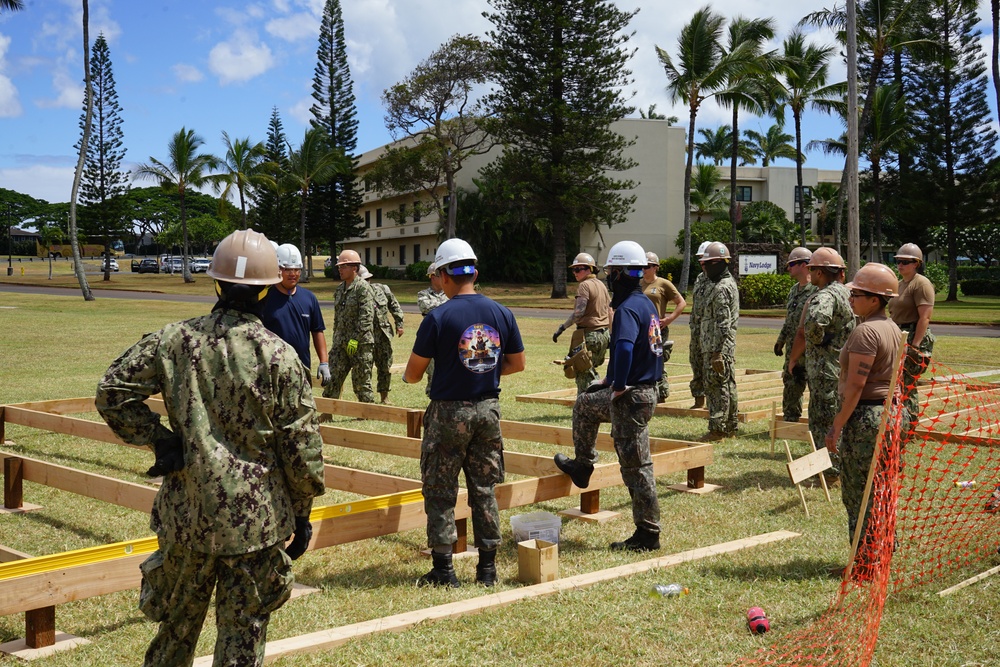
808	465
327	639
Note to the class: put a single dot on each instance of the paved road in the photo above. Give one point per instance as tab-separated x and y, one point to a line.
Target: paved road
972	330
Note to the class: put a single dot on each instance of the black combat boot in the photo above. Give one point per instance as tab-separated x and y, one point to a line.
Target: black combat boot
641	540
443	573
699	402
578	472
486	569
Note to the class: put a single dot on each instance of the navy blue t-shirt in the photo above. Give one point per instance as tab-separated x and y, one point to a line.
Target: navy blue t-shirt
635	322
293	317
467	337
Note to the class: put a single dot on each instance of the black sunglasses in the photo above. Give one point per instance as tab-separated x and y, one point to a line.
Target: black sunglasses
797	262
580	269
859	294
905	262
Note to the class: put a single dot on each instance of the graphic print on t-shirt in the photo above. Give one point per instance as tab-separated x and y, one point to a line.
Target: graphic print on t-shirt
655	341
479	348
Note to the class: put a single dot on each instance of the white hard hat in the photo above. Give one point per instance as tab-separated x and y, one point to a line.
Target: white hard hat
364	273
431	268
702	247
652	259
455	251
626	253
289	256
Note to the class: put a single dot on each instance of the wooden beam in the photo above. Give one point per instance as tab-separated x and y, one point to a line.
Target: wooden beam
331	638
13	483
91	485
8	555
40	627
81	428
366	483
61	406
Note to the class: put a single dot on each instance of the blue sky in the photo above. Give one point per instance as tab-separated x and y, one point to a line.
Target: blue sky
215	65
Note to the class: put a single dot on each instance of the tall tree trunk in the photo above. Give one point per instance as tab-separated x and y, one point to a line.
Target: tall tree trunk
732	170
302	230
451	227
853	139
89	94
686	264
185	269
559	255
799	195
995	6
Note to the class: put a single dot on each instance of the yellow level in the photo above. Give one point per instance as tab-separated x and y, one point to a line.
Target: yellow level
90	555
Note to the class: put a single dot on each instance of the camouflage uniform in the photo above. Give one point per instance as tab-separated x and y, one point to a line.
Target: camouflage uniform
427	300
827	322
662	292
629	416
858	441
385	306
699	293
353	319
241	402
717	333
795	384
462	435
597	344
918	291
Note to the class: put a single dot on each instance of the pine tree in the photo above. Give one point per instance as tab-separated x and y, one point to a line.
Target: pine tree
104	183
561	69
952	136
274	207
334	215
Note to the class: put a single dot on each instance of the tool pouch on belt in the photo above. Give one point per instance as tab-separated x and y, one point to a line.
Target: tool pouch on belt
579	359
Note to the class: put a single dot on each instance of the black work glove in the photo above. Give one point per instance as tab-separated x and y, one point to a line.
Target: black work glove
169	456
300	538
779	350
597	386
799	372
555	336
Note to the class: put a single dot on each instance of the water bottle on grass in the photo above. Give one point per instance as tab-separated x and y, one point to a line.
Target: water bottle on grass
668	591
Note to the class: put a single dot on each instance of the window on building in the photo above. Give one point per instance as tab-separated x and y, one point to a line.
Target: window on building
402	214
805	189
416	252
402	255
416	211
368	255
744	193
368	219
378	255
378	217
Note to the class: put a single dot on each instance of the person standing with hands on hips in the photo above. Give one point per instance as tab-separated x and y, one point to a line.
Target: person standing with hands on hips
794	383
293	312
353	341
473	341
241	461
662	292
592	316
626	398
912	311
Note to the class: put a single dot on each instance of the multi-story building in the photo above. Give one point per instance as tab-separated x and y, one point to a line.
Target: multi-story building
658	218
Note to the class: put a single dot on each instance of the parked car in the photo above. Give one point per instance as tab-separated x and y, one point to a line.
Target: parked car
147	265
113	262
200	264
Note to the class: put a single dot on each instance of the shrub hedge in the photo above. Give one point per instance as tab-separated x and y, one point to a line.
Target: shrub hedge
980	287
762	290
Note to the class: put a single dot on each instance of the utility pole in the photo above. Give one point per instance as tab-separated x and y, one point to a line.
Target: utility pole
9	208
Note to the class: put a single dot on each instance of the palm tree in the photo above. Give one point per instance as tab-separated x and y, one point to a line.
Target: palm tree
805	72
889	128
747	90
185	168
702	71
715	144
241	168
824	198
314	163
88	117
706	197
11	5
652	114
771	145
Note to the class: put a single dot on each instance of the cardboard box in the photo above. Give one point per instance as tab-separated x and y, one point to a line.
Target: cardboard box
536	526
537	561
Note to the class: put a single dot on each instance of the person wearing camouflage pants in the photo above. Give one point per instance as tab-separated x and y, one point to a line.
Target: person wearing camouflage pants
912	311
427	300
386	306
241	462
827	321
473	341
353	342
794	383
698	296
719	320
592	314
626	398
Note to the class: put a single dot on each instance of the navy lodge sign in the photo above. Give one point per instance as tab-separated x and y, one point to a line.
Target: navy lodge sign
750	264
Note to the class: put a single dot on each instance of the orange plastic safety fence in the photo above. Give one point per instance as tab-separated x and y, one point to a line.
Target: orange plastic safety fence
935	513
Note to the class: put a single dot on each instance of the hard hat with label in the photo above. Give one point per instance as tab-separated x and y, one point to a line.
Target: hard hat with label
289	256
702	247
652	259
627	255
584	259
875	278
827	257
910	251
348	257
714	251
456	257
245	257
799	254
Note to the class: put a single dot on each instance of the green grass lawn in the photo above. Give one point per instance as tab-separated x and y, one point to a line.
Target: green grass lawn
57	347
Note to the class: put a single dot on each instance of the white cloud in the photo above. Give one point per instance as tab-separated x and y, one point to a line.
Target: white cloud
300	111
187	73
240	59
10	106
69	92
53	184
294	28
